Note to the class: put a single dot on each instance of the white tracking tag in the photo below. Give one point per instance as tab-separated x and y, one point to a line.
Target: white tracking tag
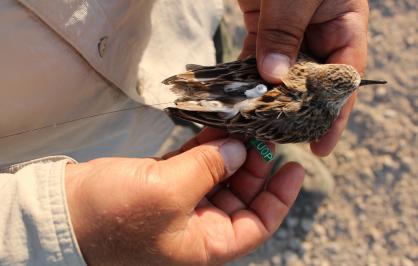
258	91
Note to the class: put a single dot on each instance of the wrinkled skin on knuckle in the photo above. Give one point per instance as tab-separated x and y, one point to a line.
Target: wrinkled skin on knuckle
284	40
209	166
331	9
147	179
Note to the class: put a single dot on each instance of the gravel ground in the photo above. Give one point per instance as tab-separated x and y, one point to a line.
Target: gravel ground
371	217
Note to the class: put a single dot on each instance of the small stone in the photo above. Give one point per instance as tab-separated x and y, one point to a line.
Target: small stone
306	246
276	260
307	208
295	244
265	263
395	261
295	262
291	259
306	224
319	230
325	263
361	251
333	248
408	162
262	263
410	40
307	260
319	262
375	234
292	221
381	92
407	262
389	162
359	203
377	248
389	113
281	233
398	240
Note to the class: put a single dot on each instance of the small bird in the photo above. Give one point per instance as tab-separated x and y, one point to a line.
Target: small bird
233	96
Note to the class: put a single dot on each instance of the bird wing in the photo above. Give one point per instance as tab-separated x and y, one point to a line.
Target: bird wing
214	82
275	116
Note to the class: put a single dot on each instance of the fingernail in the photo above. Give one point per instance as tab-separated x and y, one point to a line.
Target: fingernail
234	153
276	65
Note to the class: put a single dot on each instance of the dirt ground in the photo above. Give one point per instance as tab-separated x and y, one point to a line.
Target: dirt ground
371	217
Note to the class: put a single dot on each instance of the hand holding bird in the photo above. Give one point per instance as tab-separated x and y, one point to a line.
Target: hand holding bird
334	31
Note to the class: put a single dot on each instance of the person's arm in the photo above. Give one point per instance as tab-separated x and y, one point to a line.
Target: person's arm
202	205
332	30
34	224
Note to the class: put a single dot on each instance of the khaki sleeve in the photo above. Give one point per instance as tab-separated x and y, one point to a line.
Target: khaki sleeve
35	226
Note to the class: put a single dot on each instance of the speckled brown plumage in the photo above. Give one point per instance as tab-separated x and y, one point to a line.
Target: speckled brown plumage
234	97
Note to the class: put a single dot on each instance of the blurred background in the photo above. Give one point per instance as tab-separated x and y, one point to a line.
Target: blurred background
367	209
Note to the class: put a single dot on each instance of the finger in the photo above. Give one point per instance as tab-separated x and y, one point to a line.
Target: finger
248	6
251	10
245	184
193	173
206	135
349	48
249	46
227	201
251	21
281	29
272	205
268	210
341	41
204	203
248	181
326	143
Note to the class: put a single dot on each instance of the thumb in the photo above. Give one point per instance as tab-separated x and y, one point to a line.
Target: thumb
281	29
195	172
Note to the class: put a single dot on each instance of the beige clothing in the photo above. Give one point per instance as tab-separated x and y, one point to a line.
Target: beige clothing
34	221
52	72
63	62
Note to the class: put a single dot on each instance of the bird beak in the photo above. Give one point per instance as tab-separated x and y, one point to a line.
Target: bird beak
365	82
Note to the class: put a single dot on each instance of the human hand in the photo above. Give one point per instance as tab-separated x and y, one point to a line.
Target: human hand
332	30
178	210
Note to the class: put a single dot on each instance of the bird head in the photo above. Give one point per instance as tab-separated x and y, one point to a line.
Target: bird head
335	82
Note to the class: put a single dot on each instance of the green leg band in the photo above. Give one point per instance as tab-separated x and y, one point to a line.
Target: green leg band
262	149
